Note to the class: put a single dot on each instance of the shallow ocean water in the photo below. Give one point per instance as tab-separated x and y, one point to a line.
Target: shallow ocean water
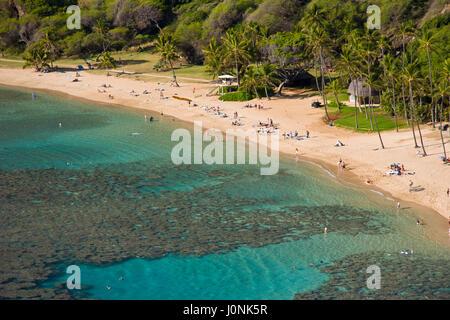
101	192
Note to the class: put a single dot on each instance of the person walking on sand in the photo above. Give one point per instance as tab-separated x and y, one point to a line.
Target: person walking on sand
398	205
296	151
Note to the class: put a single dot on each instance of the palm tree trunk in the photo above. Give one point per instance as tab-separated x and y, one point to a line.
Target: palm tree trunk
267	95
433	111
404	104
356	110
173	74
411	101
440	123
373	115
256	91
322	65
393	105
403	85
237	70
337	101
418	128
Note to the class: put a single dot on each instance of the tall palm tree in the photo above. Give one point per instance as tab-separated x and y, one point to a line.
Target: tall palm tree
372	82
318	40
251	80
405	29
314	17
213	58
346	62
165	44
236	50
383	45
410	75
391	70
443	90
427	41
268	76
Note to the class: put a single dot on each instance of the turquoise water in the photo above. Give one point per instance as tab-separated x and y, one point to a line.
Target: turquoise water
101	192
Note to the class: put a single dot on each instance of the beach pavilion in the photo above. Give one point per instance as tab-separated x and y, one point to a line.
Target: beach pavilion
357	90
227	81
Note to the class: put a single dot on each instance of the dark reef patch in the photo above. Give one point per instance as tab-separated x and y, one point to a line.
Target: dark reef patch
103	216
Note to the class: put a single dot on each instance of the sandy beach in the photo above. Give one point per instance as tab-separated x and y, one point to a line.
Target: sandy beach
362	152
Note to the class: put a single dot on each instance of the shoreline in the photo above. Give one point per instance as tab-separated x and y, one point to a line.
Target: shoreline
322	154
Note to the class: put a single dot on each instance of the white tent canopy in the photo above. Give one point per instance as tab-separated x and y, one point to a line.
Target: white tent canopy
226	76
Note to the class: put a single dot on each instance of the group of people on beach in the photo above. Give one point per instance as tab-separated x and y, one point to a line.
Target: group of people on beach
258	106
399	168
290	135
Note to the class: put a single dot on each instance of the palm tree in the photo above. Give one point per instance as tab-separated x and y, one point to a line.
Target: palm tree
213	58
251	80
314	17
383	45
268	76
372	82
347	60
236	49
391	70
168	51
317	42
103	31
427	42
335	88
106	61
405	29
37	57
443	90
410	75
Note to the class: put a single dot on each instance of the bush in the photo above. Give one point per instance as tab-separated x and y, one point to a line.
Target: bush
237	96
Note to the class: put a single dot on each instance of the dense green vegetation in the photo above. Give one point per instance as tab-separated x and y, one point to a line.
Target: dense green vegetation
264	44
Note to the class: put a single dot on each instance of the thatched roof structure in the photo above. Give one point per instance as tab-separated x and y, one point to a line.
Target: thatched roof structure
357	88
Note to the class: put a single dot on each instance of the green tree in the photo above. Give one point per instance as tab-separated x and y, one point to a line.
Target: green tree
236	50
372	82
268	76
168	51
251	80
36	56
347	62
427	41
106	61
335	88
411	75
443	90
213	59
391	71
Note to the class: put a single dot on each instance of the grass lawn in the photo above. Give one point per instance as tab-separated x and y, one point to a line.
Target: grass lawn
140	62
346	119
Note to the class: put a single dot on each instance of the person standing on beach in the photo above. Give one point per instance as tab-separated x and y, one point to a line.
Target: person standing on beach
398	205
296	151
